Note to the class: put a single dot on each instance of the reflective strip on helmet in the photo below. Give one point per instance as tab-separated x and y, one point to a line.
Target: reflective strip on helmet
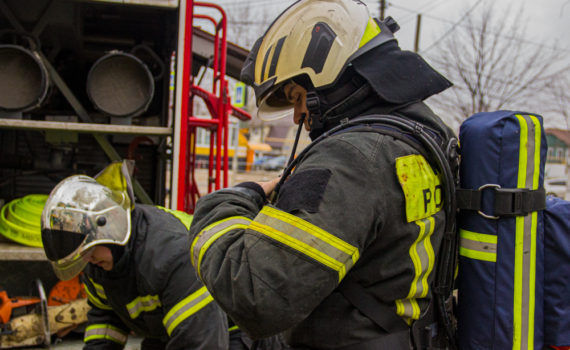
140	304
372	29
184	218
210	234
423	258
526	236
186	308
478	246
307	239
95	301
105	331
98	289
408	309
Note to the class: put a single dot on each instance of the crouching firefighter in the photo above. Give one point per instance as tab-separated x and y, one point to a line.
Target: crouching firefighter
135	265
356	248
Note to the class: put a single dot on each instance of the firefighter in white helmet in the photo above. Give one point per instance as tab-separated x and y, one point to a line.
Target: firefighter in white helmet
134	263
358	225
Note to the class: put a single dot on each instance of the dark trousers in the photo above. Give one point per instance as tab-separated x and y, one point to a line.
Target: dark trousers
152	344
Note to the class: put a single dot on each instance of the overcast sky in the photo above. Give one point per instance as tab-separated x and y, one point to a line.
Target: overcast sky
543	18
546	21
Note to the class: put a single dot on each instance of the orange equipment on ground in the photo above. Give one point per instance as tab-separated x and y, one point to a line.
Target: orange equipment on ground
16	306
65	292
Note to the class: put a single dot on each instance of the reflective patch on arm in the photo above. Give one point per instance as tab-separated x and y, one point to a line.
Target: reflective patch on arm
422	188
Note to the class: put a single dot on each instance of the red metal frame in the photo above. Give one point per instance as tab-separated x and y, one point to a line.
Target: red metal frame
219	105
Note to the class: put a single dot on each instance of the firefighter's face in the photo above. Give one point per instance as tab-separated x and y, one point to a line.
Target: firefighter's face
102	257
298	96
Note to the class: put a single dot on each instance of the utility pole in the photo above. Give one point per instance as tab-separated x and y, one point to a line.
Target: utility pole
418	27
382	9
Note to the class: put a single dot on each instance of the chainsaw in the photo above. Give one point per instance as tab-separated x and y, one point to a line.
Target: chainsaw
29	321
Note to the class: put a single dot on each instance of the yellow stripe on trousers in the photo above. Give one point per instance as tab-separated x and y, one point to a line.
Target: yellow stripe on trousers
526	227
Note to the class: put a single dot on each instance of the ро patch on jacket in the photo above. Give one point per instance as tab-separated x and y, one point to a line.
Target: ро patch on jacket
304	190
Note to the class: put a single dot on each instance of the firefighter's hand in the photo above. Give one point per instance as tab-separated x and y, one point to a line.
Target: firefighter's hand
269	186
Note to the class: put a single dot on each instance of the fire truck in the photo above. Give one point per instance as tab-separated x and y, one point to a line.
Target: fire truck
87	82
83	83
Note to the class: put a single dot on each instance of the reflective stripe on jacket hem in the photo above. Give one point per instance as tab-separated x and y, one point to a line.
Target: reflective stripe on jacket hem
140	304
307	239
105	331
186	308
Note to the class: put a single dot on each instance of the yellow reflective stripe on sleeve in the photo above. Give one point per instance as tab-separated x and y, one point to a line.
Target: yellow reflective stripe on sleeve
210	234
478	246
98	289
234	328
526	235
372	29
408	309
105	331
423	258
140	304
186	308
422	188
98	303
184	218
307	239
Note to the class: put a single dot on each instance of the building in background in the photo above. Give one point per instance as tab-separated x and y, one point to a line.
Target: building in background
558	152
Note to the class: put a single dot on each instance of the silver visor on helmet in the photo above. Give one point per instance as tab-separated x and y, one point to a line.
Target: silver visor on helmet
275	105
79	214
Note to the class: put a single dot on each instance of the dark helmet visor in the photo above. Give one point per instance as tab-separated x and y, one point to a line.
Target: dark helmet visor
60	244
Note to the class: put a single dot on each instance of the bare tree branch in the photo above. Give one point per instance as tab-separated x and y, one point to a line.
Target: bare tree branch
494	67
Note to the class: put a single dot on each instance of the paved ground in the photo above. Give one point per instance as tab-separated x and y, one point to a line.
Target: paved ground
75	342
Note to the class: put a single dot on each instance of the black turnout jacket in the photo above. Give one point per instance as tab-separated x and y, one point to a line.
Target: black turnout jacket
153	291
360	204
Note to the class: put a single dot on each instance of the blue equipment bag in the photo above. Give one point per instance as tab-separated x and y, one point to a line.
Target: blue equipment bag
557	272
501	232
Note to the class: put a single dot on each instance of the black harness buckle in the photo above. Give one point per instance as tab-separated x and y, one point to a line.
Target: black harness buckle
518	201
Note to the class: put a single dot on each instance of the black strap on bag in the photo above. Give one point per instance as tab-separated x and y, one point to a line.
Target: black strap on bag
508	201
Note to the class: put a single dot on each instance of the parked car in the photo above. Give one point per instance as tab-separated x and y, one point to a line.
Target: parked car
277	163
259	162
555	187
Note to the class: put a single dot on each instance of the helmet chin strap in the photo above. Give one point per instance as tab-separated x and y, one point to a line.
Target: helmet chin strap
314	108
